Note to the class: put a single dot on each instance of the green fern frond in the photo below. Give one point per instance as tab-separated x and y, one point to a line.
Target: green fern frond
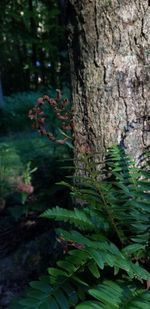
105	253
131	250
77	217
41	295
66	268
116	295
114	208
130	194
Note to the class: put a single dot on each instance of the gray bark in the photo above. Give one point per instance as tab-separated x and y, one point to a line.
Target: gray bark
109	46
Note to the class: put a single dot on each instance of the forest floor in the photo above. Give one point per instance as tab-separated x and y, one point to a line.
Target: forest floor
26	250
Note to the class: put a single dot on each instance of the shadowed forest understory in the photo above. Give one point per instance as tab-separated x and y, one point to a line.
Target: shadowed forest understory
74	154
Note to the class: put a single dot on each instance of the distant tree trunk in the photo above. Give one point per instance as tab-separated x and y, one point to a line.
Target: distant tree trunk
34	36
109	47
2	103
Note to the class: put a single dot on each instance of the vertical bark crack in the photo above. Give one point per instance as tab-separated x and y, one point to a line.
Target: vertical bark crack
96	56
142	29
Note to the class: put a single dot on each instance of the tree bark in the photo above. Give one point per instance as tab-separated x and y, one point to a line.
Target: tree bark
109	43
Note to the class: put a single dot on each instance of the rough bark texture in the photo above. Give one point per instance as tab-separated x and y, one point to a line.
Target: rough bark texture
109	45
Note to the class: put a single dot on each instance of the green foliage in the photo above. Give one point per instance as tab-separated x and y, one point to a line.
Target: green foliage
15	153
10	168
111	295
15	113
25	188
77	217
14	116
40	52
106	238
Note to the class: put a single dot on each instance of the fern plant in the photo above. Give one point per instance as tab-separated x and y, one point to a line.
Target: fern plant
106	238
114	295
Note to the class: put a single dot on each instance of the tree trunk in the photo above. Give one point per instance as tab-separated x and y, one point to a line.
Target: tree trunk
33	30
109	43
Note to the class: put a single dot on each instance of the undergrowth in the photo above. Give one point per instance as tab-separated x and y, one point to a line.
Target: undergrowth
14	116
105	242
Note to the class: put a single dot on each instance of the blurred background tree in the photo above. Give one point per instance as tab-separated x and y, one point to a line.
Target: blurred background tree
33	50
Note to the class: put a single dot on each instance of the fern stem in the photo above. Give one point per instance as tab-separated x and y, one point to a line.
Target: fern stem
110	215
94	174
